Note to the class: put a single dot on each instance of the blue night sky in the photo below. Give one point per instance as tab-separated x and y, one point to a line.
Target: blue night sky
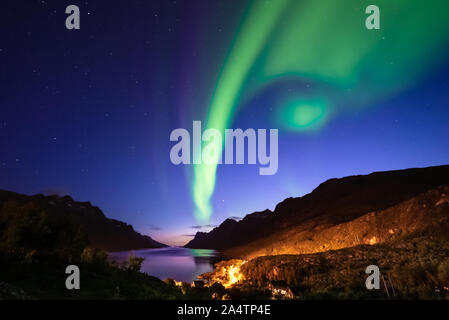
89	112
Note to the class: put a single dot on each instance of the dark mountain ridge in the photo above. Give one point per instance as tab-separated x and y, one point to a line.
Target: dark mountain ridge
104	233
333	202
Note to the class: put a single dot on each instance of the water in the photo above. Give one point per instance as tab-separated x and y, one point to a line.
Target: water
181	264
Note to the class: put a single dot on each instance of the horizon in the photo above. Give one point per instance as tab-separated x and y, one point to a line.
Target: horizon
179	244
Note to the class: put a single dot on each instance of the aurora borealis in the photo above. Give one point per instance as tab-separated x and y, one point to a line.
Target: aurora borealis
324	41
89	112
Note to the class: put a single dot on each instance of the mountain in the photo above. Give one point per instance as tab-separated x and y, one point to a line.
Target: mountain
339	213
102	232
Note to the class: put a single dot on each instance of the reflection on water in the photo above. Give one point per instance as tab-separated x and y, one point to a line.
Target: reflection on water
181	264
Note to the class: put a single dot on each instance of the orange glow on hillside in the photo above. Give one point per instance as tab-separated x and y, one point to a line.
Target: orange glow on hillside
234	275
227	273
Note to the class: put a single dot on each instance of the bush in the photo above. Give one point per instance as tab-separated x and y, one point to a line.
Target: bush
133	263
95	259
28	231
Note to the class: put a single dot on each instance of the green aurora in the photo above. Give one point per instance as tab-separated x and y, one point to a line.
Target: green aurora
326	42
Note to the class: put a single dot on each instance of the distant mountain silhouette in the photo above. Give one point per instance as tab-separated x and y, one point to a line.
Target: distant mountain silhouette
320	221
103	233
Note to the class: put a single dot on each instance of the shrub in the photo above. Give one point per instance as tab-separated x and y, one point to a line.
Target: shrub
28	231
133	263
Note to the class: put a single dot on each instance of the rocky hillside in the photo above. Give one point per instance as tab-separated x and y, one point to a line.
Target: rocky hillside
416	214
413	267
365	209
102	232
414	263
